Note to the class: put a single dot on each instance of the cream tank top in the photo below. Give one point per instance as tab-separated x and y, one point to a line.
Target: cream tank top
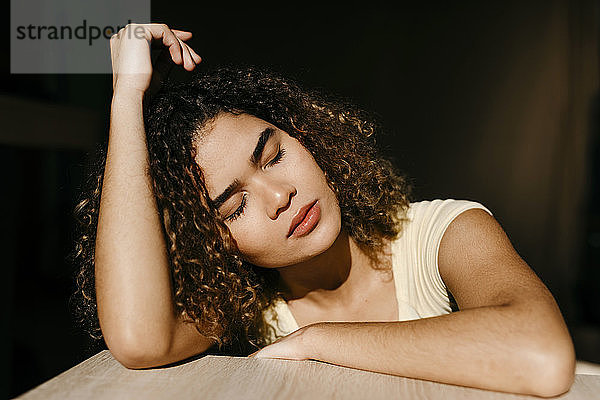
420	290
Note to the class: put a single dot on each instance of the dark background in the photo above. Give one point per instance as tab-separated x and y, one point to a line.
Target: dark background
495	102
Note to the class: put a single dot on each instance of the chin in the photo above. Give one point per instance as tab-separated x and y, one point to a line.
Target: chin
304	248
322	239
312	245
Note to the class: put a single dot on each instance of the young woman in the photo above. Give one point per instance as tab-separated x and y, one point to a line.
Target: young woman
239	210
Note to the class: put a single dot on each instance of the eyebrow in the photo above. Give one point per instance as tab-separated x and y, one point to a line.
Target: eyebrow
254	159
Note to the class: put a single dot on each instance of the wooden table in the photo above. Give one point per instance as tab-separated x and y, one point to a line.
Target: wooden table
223	377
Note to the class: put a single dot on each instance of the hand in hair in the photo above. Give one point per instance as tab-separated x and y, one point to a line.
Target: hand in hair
130	53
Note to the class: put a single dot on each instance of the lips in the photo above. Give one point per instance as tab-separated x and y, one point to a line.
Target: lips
299	217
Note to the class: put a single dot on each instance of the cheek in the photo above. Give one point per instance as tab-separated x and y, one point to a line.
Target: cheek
241	235
251	239
305	169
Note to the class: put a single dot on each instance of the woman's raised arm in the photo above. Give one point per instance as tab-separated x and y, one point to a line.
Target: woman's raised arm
133	285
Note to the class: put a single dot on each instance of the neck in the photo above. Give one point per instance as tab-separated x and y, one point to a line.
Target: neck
331	278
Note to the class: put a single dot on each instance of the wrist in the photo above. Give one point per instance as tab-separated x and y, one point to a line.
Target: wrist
127	93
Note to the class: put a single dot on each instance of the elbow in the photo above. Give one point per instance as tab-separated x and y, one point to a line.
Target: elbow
136	359
137	351
553	371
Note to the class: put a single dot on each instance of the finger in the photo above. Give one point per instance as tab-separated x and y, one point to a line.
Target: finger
271	351
183	35
195	56
162	32
188	63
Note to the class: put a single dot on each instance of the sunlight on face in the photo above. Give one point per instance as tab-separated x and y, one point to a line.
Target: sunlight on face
261	178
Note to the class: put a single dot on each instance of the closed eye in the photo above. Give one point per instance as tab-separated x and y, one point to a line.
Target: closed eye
278	157
240	210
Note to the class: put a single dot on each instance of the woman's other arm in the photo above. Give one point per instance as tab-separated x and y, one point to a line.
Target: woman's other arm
133	284
508	336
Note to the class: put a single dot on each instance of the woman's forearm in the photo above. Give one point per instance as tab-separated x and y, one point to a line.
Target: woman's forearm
499	348
134	297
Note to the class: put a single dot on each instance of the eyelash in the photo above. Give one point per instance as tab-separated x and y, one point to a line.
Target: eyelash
240	210
277	158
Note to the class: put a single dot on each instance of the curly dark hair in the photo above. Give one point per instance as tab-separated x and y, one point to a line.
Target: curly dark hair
213	287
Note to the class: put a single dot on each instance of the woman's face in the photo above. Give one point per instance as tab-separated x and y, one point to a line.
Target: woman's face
266	185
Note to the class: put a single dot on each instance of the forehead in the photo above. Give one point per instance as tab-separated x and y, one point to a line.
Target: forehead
225	146
226	134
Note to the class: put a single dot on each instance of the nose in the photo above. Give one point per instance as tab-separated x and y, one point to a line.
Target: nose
278	196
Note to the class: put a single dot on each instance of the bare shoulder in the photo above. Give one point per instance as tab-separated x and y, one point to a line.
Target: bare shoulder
480	266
